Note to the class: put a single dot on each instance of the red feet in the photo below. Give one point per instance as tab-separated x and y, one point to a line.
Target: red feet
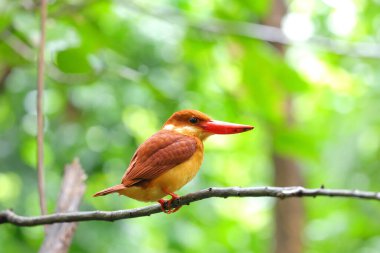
168	203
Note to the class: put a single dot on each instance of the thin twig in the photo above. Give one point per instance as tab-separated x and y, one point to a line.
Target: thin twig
40	115
6	71
9	216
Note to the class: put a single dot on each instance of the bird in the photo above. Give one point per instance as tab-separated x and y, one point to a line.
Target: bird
170	158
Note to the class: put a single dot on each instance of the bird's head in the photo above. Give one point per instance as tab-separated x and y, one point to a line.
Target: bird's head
198	124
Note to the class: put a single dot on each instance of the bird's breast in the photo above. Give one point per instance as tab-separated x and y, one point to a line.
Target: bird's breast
177	177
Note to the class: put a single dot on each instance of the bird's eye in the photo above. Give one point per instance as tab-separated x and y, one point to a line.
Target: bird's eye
193	120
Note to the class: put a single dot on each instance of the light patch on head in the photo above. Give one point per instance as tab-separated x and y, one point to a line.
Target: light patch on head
183	129
169	127
188	130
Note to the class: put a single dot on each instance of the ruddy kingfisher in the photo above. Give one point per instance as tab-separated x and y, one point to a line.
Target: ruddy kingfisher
170	158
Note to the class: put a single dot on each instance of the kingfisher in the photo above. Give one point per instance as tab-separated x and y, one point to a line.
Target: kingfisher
170	158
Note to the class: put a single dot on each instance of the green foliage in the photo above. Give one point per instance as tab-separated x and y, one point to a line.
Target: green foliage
116	70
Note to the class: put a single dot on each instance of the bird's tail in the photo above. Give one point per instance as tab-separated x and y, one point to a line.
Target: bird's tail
112	189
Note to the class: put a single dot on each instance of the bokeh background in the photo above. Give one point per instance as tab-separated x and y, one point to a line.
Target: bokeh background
305	73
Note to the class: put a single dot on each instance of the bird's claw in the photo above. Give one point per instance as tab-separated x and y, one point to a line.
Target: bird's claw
166	205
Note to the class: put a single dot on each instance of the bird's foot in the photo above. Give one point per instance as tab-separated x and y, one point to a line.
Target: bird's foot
166	205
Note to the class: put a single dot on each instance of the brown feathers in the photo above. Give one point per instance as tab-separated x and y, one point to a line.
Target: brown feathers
161	152
182	118
112	189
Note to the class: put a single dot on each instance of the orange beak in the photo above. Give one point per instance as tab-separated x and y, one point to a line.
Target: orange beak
220	127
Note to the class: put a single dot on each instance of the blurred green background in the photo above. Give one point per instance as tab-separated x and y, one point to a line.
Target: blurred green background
116	70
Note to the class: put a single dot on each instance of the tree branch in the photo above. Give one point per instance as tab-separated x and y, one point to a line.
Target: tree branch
9	216
58	237
257	31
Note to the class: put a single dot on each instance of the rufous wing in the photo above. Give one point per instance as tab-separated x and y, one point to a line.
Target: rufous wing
161	152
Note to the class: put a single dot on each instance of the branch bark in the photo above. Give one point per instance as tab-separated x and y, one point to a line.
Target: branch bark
58	237
8	216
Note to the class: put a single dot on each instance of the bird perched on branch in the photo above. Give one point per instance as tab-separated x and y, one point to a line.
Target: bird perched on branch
170	158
